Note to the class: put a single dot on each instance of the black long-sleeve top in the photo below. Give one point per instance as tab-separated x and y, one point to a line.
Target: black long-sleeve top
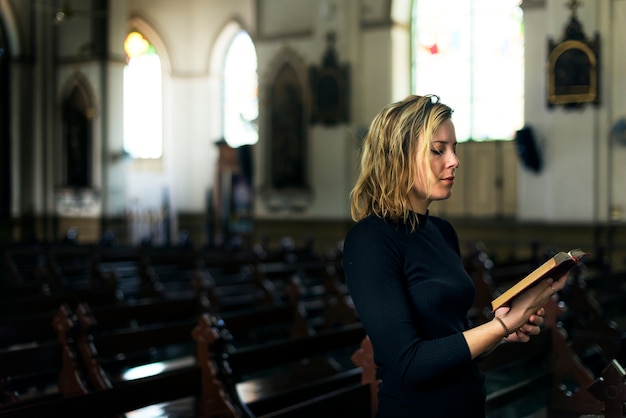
412	296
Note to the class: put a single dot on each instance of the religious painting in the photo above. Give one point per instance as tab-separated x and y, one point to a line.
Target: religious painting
573	66
285	127
573	74
288	132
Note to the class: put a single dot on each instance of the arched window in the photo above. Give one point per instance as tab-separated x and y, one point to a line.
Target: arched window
143	110
240	100
471	54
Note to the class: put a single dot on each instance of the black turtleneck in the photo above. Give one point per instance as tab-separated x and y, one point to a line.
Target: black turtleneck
412	295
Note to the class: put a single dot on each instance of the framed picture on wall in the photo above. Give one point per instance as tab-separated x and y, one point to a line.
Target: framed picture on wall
329	103
573	65
572	73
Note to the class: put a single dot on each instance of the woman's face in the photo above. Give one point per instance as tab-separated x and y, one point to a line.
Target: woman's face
443	164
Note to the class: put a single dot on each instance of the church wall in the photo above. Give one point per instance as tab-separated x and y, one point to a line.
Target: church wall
580	184
617	109
332	149
577	184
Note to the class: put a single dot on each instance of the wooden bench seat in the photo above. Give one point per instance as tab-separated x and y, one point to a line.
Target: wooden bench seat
19	329
107	356
259	325
240	296
348	400
99	362
50	302
24	266
72	266
167	270
516	374
33	369
195	391
279	367
143	311
42	370
121	263
184	383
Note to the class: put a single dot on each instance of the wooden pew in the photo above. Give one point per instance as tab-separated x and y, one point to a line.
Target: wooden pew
106	332
317	282
516	374
130	342
100	352
478	265
348	400
198	389
121	264
167	270
280	367
35	328
593	334
363	357
72	266
117	352
181	384
247	278
346	383
558	375
50	302
147	272
24	270
42	371
239	292
568	396
610	388
141	312
227	267
254	326
43	277
340	394
328	305
18	329
258	323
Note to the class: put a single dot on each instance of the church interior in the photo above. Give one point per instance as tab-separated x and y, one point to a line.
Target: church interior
175	183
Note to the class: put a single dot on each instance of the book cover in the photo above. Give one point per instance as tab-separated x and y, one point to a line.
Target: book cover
553	268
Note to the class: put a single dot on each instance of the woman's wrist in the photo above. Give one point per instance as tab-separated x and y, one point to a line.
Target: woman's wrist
506	330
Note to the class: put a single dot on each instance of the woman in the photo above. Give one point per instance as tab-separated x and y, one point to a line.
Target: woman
405	274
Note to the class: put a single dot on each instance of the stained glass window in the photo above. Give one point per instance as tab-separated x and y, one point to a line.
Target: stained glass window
240	92
471	54
143	110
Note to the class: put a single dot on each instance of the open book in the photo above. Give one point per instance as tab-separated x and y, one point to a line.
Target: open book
553	268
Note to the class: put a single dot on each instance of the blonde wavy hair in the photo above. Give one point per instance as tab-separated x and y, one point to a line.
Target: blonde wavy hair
399	136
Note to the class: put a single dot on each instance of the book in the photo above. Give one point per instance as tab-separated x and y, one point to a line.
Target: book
553	268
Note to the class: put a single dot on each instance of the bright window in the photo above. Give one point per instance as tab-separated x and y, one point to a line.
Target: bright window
240	92
143	110
471	54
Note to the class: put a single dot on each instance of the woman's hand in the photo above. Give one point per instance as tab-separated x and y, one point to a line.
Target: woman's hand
530	328
526	313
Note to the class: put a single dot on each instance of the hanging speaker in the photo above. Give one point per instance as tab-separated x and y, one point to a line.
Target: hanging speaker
528	150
